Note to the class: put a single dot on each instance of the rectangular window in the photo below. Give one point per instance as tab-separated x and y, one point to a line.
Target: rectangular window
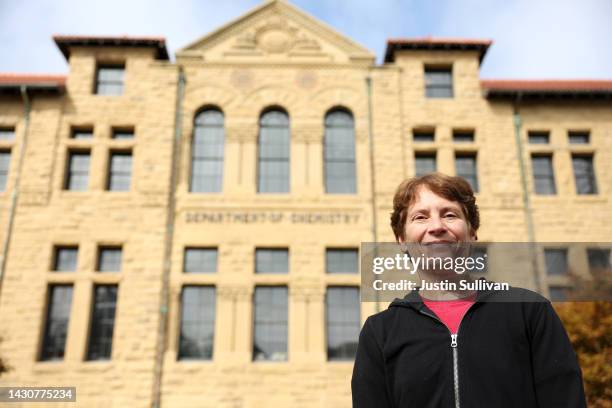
424	163
465	167
543	174
342	261
200	260
423	135
584	174
197	323
556	261
5	165
78	133
109	80
271	260
438	82
270	323
56	326
77	174
343	322
599	260
120	171
538	137
123	134
463	136
109	259
7	134
102	322
578	137
65	258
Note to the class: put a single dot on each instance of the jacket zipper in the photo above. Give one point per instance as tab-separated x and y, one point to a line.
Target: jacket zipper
454	345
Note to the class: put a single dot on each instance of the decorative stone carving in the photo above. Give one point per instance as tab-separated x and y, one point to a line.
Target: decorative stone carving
276	36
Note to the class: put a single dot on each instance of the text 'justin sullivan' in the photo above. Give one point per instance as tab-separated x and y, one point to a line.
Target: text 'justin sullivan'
445	285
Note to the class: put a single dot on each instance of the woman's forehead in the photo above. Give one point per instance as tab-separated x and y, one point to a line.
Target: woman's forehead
425	198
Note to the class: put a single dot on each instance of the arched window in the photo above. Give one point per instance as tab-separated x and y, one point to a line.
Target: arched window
339	153
207	152
273	153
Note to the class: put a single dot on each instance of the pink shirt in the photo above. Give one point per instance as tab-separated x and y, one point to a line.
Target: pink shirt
450	312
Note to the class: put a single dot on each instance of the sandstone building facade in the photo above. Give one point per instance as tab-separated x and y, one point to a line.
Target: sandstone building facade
186	234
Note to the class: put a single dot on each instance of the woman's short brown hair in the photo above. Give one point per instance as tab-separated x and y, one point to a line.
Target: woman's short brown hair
452	188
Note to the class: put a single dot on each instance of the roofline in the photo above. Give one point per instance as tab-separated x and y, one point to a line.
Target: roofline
555	89
65	42
12	83
436	44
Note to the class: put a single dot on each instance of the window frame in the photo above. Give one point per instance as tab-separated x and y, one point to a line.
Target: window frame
110	66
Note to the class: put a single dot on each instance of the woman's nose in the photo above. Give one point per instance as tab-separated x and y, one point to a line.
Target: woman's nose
436	225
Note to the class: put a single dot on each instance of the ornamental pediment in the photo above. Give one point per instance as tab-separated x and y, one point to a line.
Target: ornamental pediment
275	32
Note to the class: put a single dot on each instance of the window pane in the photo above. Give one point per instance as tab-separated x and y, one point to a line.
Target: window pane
584	174
82	134
109	80
123	134
270	325
271	260
273	153
5	164
342	261
200	260
197	323
343	323
465	167
544	179
556	261
438	83
102	322
425	164
578	137
339	153
65	259
423	136
109	259
7	134
538	137
463	136
78	171
207	152
56	327
120	171
599	260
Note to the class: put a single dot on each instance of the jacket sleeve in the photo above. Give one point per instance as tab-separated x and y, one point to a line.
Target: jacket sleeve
368	385
557	375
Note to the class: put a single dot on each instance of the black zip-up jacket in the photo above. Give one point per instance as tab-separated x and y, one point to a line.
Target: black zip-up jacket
505	354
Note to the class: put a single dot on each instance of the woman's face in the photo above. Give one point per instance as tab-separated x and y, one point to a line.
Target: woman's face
434	219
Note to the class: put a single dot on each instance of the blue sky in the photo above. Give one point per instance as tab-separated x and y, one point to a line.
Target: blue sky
532	38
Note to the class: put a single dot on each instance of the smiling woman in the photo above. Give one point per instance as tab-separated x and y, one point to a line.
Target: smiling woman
410	355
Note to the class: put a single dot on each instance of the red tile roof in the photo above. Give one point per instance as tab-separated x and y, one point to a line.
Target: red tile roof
64	42
547	85
430	43
11	79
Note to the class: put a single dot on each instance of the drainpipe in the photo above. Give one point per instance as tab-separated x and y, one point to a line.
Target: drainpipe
372	175
15	193
516	116
169	239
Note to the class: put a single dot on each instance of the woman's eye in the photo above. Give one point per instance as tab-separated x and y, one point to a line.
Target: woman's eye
450	215
419	217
